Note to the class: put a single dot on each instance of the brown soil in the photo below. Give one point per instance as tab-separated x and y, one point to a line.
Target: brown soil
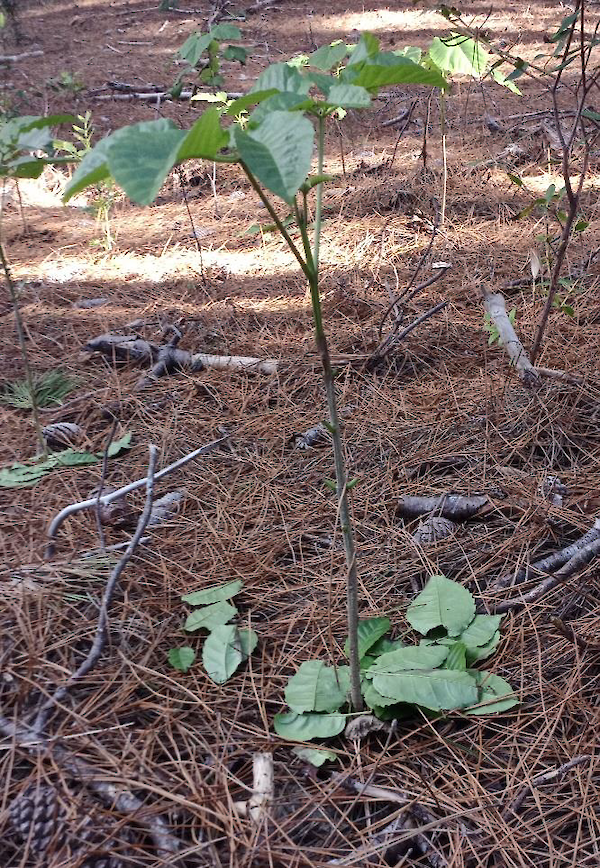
443	413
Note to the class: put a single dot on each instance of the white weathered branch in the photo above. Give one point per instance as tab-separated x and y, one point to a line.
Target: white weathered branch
496	307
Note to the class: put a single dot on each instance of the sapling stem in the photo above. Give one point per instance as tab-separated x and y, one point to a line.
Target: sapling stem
23	347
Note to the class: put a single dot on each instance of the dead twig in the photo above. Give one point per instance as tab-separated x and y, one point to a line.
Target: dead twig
539	780
101	636
569	633
74	508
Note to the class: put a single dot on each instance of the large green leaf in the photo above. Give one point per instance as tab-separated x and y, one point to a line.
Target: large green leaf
483	651
459	55
142	156
369	632
387	68
283	77
366	48
349	96
374	699
328	56
226	31
205	139
317	687
410	657
279	152
244	102
282	102
304	727
214	594
495	694
436	689
222	653
194	47
480	630
209	617
442	603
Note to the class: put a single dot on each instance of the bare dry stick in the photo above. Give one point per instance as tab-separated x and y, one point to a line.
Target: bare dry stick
496	307
544	778
74	508
580	559
113	796
550	563
101	485
102	627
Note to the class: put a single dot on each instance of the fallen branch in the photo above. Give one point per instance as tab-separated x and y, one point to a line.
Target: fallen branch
538	780
550	563
101	636
13	58
114	797
74	508
496	308
573	565
154	96
452	506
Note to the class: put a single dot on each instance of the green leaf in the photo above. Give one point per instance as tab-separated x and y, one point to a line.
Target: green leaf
384	646
459	55
205	139
457	657
328	56
142	156
515	179
279	152
118	446
480	630
581	225
281	77
410	657
317	687
182	658
436	689
369	632
93	168
244	102
226	31
209	617
442	603
222	653
388	68
248	642
366	48
409	51
304	727
281	102
314	181
21	475
374	699
72	458
566	308
194	47
348	96
214	594
483	651
502	80
236	53
495	694
315	756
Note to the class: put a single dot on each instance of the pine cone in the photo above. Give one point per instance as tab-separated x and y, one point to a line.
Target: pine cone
38	817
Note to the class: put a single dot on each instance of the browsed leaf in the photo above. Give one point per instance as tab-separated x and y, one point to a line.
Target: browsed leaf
118	446
182	658
214	594
248	642
222	653
369	632
495	694
304	727
436	689
278	152
209	617
317	687
442	603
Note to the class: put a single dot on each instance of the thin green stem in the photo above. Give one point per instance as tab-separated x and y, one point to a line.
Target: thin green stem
274	217
23	347
444	156
319	206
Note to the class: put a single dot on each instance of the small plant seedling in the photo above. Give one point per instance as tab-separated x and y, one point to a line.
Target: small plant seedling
67	81
397	679
49	389
202	53
226	646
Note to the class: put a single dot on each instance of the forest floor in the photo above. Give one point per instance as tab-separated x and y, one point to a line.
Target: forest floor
444	412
